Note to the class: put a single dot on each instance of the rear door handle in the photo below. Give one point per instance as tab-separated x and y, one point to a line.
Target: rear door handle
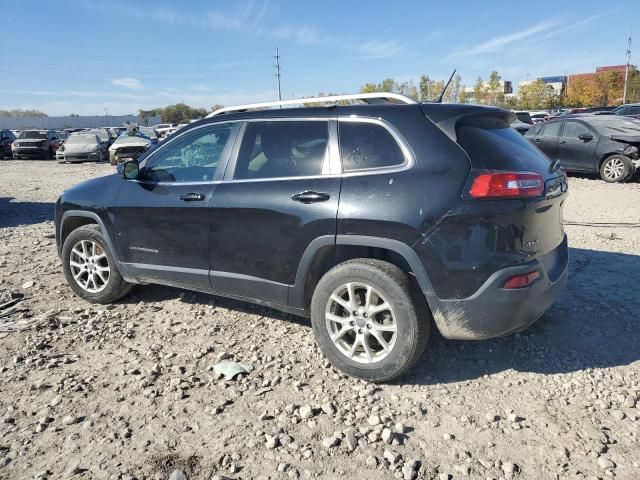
538	140
310	197
191	197
563	143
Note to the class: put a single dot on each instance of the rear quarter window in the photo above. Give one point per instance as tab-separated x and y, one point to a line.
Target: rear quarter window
492	145
365	145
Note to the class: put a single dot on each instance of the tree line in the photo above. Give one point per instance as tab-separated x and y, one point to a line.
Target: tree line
20	113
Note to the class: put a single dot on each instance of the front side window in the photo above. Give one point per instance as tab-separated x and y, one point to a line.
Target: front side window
574	130
283	149
193	157
365	145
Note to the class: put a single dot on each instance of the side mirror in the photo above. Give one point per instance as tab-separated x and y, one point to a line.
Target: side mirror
586	137
129	170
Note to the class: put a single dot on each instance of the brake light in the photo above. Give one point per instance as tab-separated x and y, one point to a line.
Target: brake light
522	281
507	185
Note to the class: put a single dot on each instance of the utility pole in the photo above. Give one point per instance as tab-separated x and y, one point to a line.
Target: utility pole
626	70
106	116
277	65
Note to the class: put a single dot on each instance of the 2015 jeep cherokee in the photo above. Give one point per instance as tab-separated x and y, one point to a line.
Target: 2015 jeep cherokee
371	219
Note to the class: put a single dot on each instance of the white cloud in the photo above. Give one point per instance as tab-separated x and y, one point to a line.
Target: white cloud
540	31
131	83
310	35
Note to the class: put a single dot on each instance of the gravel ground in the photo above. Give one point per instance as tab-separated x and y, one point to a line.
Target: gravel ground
128	391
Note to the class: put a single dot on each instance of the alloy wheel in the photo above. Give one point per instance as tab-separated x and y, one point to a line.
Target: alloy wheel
613	169
361	322
89	266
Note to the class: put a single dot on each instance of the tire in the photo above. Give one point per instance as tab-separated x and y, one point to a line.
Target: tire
106	291
616	168
408	312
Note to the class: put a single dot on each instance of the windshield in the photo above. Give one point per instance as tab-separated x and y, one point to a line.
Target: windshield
102	134
34	134
613	126
81	139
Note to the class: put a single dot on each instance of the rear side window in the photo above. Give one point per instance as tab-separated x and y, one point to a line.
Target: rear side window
492	145
283	149
574	130
366	145
551	130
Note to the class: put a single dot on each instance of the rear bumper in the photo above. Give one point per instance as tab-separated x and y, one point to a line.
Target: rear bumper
494	311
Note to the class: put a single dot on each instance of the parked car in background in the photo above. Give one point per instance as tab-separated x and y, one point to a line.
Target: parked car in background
598	110
6	139
521	127
131	144
539	117
104	133
290	208
163	129
524	117
628	110
40	144
603	144
83	147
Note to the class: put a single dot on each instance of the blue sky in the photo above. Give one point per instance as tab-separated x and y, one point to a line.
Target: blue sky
80	56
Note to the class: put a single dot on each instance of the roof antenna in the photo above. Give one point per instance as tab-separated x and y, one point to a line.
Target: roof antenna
439	99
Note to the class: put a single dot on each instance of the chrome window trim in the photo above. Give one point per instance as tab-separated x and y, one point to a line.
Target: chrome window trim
334	155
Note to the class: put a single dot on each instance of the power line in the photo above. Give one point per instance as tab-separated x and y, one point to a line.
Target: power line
277	65
626	70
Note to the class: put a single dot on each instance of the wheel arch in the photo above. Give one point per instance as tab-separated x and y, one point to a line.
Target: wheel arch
328	251
73	219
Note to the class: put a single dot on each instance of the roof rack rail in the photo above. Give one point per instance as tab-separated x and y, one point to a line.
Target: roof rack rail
377	97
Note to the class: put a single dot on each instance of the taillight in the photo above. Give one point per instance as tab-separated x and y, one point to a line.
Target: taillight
522	281
507	185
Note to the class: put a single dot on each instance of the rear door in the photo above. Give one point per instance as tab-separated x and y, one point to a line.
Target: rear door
279	194
546	138
577	153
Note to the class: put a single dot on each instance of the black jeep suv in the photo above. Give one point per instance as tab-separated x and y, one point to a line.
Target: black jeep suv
371	219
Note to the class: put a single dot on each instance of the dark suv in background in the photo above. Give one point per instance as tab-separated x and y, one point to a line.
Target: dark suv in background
40	144
6	140
371	219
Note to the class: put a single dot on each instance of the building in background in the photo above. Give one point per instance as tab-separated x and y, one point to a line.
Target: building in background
557	82
602	87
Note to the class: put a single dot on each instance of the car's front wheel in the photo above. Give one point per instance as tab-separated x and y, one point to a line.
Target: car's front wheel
90	268
616	168
368	320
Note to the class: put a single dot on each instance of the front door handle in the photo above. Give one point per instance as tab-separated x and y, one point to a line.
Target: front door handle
310	197
563	143
538	140
191	197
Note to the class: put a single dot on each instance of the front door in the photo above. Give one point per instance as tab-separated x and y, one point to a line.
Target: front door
278	196
162	218
577	153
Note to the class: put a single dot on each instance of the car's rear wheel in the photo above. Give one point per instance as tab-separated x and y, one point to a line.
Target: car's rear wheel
368	320
616	168
90	268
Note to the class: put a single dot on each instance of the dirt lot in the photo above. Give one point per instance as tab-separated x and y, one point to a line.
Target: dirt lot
128	391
